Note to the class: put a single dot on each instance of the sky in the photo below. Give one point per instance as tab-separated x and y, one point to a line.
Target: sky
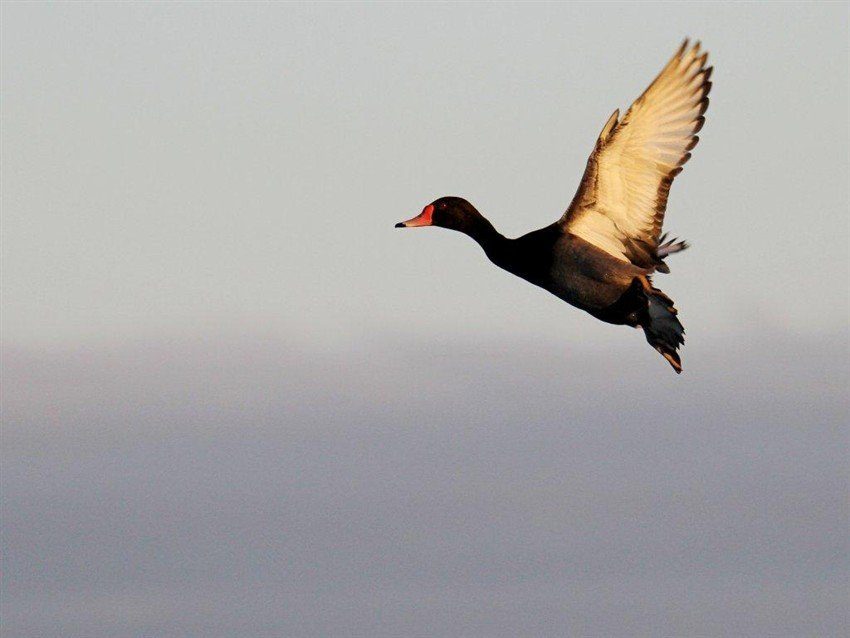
237	401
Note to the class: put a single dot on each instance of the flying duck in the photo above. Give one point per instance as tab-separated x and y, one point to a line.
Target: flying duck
600	255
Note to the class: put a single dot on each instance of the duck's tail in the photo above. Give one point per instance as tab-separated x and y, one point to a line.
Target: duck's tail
667	247
662	328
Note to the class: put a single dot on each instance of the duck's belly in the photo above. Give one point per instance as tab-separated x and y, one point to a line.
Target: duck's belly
587	293
590	279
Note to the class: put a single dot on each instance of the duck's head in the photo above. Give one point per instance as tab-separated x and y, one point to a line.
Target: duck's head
449	212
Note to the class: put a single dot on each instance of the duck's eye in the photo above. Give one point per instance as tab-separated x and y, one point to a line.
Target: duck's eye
443	205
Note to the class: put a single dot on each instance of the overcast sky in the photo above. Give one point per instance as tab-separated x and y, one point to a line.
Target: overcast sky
237	401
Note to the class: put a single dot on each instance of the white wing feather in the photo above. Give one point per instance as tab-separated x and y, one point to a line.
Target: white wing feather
620	204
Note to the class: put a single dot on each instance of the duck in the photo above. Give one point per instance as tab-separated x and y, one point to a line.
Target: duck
601	254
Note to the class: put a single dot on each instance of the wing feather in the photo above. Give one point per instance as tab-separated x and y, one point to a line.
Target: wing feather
622	198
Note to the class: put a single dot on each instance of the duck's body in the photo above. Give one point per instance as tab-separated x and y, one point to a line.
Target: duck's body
562	263
600	254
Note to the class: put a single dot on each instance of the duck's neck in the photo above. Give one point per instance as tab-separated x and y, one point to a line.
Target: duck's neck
498	248
482	231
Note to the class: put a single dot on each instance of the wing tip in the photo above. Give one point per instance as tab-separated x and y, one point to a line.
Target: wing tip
610	125
691	53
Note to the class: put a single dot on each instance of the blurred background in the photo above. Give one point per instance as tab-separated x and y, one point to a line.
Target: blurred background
236	401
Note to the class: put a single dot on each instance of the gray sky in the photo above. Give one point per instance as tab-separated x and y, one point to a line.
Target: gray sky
236	401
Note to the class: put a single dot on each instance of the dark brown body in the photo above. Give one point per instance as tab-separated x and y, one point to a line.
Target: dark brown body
573	270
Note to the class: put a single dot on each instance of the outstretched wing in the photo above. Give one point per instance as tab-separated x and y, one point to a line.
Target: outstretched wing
620	203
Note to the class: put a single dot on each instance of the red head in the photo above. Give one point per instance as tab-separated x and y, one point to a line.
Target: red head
449	212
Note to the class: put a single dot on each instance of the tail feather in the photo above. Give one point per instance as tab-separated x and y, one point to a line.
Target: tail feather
662	327
666	248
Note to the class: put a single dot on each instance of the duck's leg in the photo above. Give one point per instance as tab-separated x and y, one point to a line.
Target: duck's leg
651	291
